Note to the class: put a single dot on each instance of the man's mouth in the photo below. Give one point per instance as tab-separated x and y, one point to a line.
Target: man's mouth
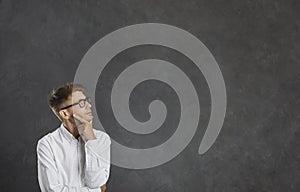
89	113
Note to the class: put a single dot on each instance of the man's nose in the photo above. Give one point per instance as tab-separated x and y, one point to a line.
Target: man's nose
88	105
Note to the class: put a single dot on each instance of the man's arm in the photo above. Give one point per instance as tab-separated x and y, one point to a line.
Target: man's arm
48	176
97	153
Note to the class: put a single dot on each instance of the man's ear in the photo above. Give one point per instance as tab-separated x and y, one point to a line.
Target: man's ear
64	114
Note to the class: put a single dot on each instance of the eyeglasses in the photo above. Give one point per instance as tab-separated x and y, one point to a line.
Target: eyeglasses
81	103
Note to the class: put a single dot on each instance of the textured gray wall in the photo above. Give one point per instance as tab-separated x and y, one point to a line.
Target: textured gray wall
255	42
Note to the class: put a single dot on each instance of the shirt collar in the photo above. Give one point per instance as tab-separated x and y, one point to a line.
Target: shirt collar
67	134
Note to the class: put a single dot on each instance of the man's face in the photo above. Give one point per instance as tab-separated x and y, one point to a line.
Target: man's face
85	112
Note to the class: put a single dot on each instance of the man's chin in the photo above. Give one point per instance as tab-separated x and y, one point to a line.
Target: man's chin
90	119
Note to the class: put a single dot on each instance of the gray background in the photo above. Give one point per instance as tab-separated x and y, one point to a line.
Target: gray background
255	42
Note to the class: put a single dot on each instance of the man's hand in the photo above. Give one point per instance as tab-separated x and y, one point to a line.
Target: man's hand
103	188
85	128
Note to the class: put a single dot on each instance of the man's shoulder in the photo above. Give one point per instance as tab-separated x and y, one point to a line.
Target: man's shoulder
46	139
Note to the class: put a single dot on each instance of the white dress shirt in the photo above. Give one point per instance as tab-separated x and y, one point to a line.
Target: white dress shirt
66	164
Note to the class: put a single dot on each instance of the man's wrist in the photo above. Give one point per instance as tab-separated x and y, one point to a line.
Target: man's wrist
91	138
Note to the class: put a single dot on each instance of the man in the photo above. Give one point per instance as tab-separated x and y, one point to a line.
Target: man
75	157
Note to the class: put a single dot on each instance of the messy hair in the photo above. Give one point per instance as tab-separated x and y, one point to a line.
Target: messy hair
60	94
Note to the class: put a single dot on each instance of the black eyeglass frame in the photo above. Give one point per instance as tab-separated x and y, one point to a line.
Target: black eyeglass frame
87	99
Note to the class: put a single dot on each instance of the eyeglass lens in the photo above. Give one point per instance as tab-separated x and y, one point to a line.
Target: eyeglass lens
82	102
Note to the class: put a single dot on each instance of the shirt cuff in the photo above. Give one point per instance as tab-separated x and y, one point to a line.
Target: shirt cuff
99	145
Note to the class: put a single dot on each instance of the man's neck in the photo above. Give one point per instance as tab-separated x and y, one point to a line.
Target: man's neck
72	128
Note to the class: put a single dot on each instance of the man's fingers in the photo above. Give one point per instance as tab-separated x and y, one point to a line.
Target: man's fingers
80	119
103	188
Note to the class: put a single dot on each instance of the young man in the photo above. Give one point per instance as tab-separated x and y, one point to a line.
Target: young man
75	157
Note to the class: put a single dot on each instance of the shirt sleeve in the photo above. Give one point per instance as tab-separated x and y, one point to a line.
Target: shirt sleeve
97	154
48	176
